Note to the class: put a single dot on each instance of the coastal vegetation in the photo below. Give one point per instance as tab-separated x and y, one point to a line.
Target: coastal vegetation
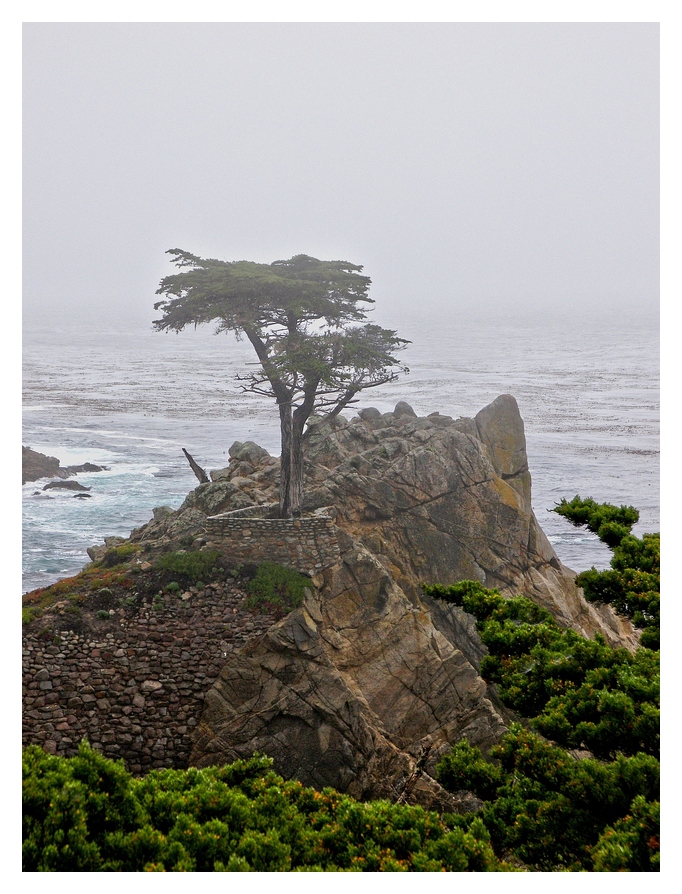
276	589
632	585
576	785
87	814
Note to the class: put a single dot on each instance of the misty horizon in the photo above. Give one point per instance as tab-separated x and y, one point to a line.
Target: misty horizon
471	169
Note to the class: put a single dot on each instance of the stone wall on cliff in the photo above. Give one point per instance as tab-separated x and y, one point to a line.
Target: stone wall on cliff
248	536
133	684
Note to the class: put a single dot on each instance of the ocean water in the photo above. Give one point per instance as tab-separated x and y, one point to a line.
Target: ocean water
587	389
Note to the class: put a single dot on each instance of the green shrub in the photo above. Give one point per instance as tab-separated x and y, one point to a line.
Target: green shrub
173	587
632	587
118	554
581	693
544	806
276	589
103	615
610	523
553	812
87	814
189	566
632	844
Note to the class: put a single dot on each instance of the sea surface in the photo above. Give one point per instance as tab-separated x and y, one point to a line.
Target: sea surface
131	399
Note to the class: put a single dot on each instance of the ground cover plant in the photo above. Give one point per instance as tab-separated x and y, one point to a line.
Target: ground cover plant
119	572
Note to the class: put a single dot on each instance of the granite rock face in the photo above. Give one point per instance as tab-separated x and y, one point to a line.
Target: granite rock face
438	501
351	690
370	682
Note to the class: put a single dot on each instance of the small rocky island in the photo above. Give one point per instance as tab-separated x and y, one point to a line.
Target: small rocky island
35	465
366	684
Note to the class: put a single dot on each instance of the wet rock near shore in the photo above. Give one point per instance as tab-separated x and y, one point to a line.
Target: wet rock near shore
35	465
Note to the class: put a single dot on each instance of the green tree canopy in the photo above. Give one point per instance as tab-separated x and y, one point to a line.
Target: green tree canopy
301	316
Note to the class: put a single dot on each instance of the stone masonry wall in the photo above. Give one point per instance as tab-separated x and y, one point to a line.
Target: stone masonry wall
134	684
308	544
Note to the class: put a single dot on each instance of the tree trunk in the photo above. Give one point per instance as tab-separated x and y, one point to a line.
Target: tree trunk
291	460
196	468
296	466
285	460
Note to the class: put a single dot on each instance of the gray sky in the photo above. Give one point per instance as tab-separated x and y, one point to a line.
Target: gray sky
468	167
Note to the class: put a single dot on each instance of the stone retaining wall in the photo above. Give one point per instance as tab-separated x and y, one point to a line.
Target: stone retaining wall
307	544
134	685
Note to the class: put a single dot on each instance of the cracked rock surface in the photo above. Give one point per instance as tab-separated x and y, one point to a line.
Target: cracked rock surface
367	684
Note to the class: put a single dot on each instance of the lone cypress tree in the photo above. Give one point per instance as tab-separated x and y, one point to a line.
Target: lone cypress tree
300	317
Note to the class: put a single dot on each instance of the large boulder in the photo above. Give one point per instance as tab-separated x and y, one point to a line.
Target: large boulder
36	465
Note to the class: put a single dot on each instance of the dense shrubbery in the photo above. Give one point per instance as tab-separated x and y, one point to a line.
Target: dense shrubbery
276	589
87	814
191	567
579	692
554	812
543	805
632	587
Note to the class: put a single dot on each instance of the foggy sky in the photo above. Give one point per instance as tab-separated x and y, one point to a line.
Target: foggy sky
469	167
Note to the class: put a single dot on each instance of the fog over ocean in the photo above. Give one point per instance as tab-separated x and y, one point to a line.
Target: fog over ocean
130	399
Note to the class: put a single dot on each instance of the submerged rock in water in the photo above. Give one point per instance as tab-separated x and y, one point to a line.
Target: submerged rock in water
65	485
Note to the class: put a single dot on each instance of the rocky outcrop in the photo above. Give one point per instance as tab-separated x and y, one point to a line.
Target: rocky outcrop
438	500
353	690
65	485
366	685
435	500
369	682
36	465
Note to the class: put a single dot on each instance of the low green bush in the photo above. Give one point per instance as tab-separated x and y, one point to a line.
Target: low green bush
632	585
87	814
118	554
190	566
276	589
581	693
555	813
543	804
